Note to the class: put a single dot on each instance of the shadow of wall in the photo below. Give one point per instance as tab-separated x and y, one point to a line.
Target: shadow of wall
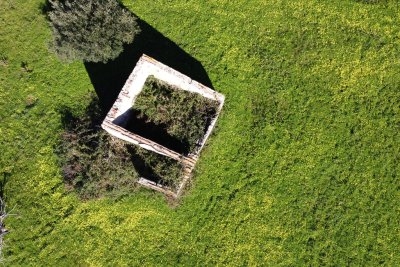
132	122
108	79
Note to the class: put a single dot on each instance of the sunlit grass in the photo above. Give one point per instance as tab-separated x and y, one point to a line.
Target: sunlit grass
303	168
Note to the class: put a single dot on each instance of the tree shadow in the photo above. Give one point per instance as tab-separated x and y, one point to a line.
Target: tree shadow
108	79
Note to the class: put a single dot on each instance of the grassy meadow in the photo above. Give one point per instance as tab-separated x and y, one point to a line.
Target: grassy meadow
302	170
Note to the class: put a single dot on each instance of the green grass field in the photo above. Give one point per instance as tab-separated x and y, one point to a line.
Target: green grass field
303	168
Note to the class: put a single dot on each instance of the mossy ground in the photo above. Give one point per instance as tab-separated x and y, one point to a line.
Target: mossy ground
303	168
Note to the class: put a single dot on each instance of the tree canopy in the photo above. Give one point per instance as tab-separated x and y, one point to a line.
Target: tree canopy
90	30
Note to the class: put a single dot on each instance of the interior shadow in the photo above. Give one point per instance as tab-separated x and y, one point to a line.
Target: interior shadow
108	79
131	121
141	167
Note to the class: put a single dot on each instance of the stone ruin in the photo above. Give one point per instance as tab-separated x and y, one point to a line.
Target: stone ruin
116	119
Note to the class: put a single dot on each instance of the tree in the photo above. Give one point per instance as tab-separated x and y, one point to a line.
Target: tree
90	30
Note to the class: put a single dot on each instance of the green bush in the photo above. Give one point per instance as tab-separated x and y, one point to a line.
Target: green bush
93	31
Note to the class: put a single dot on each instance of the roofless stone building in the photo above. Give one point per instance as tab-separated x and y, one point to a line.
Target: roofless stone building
117	118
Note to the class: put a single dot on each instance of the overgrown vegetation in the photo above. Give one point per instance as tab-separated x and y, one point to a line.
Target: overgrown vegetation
185	115
94	164
303	169
92	31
